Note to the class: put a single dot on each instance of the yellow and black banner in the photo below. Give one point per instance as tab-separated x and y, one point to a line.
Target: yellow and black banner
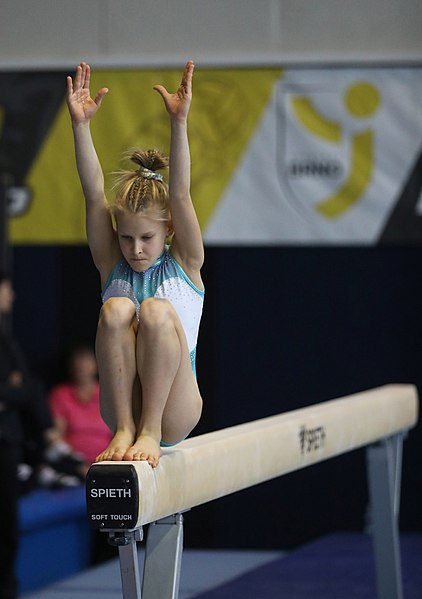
296	156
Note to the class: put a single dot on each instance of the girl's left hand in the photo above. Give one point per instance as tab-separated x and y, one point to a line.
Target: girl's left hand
178	104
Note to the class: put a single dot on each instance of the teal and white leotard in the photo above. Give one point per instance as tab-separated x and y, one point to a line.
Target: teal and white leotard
164	279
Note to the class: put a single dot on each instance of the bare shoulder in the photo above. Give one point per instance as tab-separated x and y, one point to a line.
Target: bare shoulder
102	238
106	259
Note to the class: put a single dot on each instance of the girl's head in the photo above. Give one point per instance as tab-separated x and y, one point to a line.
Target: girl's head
143	191
141	210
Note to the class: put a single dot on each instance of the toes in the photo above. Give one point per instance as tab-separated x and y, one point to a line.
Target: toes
130	456
140	456
117	455
103	457
111	455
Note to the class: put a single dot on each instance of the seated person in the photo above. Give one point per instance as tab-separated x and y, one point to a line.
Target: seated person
26	430
75	406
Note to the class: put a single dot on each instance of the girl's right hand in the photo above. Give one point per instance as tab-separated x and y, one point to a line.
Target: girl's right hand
79	102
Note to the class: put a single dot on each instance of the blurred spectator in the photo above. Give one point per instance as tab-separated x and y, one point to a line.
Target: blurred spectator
75	406
26	430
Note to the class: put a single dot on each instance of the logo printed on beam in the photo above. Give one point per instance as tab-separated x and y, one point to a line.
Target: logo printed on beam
311	439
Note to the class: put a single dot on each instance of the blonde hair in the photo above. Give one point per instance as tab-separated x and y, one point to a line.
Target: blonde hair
143	190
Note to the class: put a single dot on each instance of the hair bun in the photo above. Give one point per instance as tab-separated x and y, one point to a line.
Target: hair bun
152	160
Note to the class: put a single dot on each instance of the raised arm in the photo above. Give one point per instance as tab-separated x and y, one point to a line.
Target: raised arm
100	233
187	245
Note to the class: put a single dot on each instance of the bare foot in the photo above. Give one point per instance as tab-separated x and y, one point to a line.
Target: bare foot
117	448
146	448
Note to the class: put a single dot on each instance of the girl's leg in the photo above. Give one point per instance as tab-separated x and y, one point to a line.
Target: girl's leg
171	403
116	356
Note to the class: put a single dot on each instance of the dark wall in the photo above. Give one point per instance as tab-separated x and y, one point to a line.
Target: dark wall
57	303
295	326
283	328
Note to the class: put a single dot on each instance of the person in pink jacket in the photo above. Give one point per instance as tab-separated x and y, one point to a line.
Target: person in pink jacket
75	407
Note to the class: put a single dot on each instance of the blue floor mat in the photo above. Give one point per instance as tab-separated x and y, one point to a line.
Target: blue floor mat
338	566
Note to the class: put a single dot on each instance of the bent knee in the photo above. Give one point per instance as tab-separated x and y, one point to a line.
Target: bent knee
156	312
117	312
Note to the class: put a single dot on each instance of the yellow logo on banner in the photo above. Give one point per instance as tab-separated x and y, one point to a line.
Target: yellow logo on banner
362	100
226	107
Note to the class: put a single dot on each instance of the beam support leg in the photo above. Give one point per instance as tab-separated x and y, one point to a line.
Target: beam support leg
163	558
384	478
128	557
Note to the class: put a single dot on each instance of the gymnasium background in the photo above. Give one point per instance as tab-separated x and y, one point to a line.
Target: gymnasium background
306	142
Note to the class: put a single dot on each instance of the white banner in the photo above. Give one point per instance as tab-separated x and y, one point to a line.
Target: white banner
335	159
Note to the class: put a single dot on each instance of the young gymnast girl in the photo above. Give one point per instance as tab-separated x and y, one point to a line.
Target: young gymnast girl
152	292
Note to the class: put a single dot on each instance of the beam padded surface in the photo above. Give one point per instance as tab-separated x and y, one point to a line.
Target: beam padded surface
213	465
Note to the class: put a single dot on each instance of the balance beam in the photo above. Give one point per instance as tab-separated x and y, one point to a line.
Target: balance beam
124	496
216	464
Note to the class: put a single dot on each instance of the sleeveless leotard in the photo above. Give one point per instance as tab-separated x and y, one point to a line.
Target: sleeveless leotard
163	279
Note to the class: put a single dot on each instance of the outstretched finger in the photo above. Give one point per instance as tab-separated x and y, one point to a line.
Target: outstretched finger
100	95
78	77
161	90
69	86
87	75
187	76
83	74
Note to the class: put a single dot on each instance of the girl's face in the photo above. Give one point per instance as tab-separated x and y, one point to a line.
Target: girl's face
141	238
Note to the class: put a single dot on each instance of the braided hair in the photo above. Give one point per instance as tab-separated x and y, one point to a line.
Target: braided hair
143	190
